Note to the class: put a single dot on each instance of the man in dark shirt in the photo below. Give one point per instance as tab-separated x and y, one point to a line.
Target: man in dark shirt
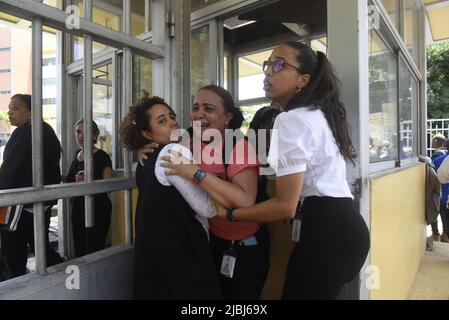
16	172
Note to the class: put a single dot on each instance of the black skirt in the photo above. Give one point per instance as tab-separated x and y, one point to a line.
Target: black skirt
333	246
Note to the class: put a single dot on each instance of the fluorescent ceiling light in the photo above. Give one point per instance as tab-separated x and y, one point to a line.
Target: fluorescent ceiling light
234	23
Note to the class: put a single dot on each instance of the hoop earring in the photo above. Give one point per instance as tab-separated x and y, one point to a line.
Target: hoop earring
298	90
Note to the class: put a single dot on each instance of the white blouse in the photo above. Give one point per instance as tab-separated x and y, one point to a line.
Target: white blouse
196	197
303	142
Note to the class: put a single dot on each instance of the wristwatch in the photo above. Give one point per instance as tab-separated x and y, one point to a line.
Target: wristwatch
230	214
199	175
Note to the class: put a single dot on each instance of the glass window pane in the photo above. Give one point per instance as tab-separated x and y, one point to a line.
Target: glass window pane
53	3
199	4
225	72
392	8
251	75
200	58
142	77
411	28
107	14
138	17
102	115
78	47
248	113
49	79
407	105
320	44
383	101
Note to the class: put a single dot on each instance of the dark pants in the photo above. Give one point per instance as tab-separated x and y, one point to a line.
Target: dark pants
89	240
251	266
15	244
444	213
332	248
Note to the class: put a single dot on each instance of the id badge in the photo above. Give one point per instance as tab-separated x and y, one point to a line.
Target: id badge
296	230
228	264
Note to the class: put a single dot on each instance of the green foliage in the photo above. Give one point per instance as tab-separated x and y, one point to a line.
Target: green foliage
249	112
438	81
4	116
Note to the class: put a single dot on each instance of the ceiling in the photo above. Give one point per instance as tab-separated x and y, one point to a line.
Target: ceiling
438	16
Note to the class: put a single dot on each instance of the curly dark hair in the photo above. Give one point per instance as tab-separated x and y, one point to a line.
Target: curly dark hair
323	93
138	120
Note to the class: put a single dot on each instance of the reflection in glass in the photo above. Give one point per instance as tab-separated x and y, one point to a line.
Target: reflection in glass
138	17
200	58
102	114
78	47
411	28
199	4
383	142
105	14
407	105
392	8
142	77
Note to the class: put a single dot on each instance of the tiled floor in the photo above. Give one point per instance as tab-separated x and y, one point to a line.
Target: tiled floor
432	281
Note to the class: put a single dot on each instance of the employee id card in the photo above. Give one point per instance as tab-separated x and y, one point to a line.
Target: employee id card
228	264
296	229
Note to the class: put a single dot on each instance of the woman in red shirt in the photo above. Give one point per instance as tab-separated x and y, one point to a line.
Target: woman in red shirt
240	249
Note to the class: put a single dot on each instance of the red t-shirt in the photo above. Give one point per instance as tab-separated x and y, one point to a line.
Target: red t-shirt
243	156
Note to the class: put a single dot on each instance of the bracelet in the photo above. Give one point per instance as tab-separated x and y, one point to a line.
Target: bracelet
230	214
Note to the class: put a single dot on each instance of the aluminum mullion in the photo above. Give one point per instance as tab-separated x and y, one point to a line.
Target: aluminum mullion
38	145
127	101
88	118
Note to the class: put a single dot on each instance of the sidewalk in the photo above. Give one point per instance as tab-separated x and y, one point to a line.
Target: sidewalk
432	281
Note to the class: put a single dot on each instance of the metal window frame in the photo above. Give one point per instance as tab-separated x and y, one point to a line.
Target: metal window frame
348	52
395	37
392	38
56	18
41	14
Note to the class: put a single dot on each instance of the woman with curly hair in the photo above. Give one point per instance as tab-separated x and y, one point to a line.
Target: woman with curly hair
172	258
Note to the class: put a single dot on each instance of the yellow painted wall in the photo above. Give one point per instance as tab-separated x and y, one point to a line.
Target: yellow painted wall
117	230
398	231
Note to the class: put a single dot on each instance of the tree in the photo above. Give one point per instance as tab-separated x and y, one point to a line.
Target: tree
438	81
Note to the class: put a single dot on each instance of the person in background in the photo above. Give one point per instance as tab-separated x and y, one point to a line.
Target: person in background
438	145
441	166
439	149
17	172
88	240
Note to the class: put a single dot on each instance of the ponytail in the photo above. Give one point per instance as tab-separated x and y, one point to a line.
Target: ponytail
323	93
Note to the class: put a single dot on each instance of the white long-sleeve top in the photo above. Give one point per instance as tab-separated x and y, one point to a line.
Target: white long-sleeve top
198	199
443	171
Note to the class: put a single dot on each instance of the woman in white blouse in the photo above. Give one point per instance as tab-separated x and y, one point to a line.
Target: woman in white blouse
309	150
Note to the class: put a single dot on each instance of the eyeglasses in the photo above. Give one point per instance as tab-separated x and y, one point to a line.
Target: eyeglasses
277	65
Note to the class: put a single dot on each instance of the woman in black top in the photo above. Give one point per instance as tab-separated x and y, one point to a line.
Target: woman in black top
88	240
172	258
16	172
